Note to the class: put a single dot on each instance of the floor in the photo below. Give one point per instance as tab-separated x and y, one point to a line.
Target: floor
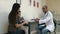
33	28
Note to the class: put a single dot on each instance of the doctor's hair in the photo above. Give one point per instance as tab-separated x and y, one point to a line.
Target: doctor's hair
45	6
13	13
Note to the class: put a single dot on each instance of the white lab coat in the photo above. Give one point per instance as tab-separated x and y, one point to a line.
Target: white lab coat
48	20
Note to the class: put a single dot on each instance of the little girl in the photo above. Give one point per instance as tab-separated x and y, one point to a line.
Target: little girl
20	22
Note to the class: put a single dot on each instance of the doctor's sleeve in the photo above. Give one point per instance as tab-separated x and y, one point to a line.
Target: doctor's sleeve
48	18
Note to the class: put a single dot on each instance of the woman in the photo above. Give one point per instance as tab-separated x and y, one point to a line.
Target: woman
13	24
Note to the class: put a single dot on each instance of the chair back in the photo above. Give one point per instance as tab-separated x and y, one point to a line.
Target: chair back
55	22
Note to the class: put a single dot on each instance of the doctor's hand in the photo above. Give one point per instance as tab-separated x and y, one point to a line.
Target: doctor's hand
37	20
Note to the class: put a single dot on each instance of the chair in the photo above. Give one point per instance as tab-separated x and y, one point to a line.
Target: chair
55	22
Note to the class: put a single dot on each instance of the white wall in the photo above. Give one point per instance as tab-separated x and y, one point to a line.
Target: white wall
5	7
28	12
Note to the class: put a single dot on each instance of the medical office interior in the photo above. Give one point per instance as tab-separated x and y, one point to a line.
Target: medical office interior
30	10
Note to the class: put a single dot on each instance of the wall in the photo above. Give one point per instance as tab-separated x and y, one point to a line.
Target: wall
5	7
28	12
54	5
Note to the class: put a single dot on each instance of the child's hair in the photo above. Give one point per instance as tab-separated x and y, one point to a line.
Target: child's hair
19	12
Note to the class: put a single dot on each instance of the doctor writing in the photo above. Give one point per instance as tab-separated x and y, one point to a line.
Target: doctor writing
45	24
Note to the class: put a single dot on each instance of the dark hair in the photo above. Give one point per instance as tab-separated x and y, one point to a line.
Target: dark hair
13	13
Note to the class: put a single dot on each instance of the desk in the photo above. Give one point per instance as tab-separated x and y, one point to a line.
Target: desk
32	27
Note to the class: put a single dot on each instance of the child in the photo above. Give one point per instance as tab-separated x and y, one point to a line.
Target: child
20	22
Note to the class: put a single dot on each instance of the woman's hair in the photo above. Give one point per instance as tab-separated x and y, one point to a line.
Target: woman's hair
13	13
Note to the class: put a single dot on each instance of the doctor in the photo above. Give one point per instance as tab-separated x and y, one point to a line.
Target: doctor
47	19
